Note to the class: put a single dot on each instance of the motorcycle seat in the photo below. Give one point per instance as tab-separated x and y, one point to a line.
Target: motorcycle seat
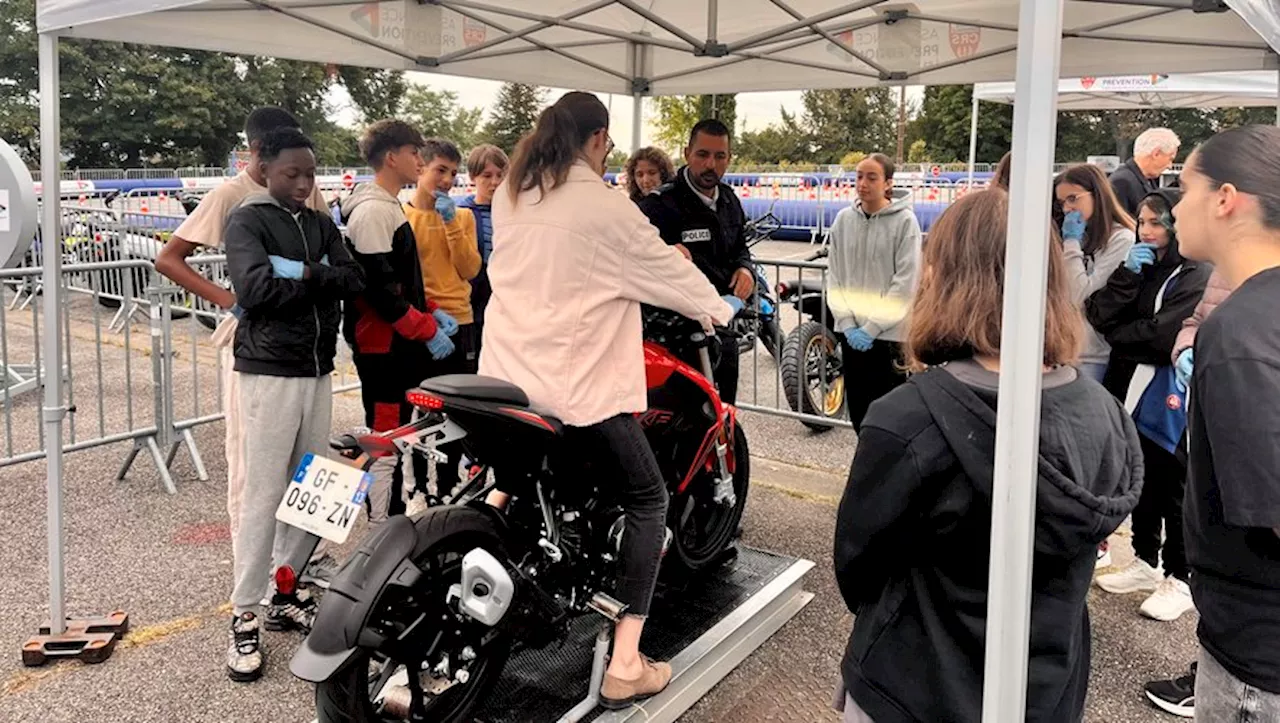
476	388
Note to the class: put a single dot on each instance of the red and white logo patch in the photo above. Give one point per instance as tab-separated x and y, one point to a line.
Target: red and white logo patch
1173	402
965	39
1088	82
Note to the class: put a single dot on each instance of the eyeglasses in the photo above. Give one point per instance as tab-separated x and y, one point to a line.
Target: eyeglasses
608	148
1073	199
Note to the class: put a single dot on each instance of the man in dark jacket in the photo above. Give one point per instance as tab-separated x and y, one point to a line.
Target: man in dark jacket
1153	154
291	270
702	216
393	329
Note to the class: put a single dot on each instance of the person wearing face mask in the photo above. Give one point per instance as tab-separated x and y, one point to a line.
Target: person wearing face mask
1097	234
487	166
449	257
648	169
875	259
1140	312
702	217
572	262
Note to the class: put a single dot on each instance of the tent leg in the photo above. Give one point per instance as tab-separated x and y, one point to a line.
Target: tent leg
637	119
1021	360
1278	104
50	244
973	135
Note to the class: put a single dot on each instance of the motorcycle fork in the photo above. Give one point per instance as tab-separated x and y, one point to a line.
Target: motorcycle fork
723	492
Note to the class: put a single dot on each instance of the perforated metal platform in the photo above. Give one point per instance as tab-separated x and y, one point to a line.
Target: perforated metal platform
705	628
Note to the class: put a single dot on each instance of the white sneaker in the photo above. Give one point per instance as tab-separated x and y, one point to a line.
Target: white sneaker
1137	577
1170	600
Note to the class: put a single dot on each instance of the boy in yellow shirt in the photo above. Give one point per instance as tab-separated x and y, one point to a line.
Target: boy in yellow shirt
450	258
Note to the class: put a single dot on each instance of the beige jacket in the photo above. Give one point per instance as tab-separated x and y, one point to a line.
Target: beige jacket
569	273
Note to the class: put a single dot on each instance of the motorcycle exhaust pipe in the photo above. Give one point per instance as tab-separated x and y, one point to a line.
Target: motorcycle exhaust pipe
608	606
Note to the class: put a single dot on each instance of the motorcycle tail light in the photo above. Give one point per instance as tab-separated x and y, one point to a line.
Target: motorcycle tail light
423	400
286	580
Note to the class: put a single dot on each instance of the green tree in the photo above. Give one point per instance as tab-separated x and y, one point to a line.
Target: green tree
437	113
132	105
677	114
514	114
377	94
777	142
945	121
844	120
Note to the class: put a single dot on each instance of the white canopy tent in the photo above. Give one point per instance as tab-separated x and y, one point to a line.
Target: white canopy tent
702	46
1133	92
1129	92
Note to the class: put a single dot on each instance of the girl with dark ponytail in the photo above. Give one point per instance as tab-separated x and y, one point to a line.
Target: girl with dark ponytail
572	262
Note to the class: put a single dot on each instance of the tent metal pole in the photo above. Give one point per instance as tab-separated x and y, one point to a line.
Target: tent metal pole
1013	511
713	21
973	136
1278	97
637	119
768	35
51	249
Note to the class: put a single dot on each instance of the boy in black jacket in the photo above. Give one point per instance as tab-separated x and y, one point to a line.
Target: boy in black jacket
290	269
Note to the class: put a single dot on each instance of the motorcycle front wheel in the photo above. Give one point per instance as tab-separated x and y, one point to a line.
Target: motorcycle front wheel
374	688
702	528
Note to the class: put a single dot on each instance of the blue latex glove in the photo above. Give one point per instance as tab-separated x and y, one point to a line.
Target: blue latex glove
286	268
1140	255
324	260
440	345
1073	226
734	303
1183	369
858	339
447	324
236	311
445	206
766	308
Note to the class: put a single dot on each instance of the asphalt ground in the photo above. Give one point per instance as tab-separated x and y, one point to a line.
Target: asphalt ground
166	561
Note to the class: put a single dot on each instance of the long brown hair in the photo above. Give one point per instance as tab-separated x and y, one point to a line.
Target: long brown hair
957	311
1107	211
660	160
1004	170
542	158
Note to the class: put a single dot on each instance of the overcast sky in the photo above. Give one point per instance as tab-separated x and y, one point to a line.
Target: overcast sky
756	109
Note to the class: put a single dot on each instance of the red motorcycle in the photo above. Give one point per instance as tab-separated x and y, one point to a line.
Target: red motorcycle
421	620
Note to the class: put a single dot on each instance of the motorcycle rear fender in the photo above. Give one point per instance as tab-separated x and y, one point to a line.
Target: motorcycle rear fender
385	559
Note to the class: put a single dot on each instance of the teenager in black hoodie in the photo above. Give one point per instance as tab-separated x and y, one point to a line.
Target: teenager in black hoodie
1140	313
913	530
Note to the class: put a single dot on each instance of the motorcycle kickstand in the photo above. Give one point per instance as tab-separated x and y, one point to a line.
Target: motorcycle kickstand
599	662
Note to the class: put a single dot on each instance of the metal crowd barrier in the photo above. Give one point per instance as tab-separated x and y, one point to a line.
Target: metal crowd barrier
108	292
803	380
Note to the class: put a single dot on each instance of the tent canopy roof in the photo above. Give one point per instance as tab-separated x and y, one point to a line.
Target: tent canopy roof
1184	90
663	47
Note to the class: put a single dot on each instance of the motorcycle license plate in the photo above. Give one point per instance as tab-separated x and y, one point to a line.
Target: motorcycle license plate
324	497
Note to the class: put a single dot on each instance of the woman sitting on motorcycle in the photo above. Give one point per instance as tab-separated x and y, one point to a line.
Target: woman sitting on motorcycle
572	262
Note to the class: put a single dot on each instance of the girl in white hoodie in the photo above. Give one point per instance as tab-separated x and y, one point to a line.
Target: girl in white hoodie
875	257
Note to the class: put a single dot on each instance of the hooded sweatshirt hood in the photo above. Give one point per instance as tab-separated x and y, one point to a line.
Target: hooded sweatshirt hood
1173	254
1087	482
368	193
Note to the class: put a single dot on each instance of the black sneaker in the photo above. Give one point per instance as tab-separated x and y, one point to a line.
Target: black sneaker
244	656
291	612
1177	696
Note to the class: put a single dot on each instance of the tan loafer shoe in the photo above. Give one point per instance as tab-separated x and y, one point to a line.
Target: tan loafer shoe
616	694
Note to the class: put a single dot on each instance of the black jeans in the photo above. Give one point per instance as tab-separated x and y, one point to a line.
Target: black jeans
869	375
463	360
620	452
1160	505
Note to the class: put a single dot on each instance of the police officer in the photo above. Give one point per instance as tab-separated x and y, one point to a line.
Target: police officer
703	217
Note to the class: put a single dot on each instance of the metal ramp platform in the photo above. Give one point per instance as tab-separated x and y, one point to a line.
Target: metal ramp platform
704	628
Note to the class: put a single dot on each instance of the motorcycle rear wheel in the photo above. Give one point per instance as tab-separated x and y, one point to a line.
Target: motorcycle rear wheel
702	528
445	534
808	349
